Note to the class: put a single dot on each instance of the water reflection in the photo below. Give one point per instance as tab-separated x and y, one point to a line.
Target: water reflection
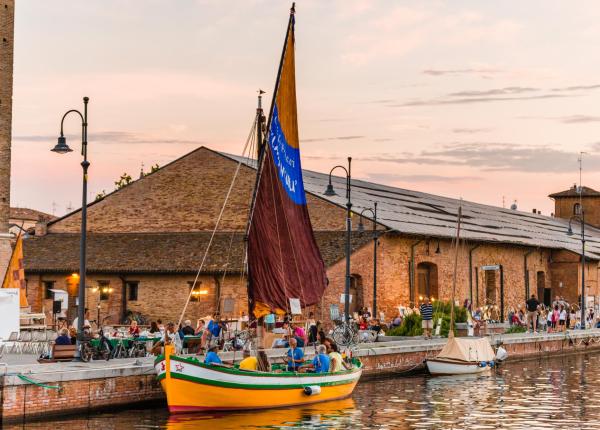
562	392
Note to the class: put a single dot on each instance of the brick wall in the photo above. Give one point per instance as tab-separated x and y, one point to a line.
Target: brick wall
7	21
563	208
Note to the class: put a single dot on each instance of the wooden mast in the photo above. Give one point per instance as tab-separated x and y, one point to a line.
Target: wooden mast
451	330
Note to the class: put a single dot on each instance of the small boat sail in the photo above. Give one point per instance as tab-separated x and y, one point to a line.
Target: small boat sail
461	356
284	263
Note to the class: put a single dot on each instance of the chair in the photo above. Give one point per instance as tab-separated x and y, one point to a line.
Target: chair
25	341
12	341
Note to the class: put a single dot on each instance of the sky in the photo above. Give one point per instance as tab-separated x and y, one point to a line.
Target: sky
487	101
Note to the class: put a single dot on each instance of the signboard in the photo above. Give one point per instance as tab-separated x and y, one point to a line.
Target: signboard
295	307
9	312
494	267
343	298
334	312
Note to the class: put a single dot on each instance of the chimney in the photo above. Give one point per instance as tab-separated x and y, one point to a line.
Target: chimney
534	211
41	228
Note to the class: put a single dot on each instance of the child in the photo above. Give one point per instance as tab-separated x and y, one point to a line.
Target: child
562	318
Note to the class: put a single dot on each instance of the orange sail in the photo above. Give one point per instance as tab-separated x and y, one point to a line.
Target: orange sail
15	273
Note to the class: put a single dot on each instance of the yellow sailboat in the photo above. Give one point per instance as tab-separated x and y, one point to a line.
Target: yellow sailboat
284	264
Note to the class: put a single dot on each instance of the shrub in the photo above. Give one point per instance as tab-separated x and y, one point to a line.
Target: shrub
411	326
516	329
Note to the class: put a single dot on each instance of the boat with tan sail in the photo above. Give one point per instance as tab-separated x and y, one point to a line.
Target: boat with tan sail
284	267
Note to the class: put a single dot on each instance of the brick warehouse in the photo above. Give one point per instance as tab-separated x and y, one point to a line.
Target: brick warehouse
146	242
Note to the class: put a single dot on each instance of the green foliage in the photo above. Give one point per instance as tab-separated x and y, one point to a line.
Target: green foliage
101	195
516	329
154	168
124	180
411	326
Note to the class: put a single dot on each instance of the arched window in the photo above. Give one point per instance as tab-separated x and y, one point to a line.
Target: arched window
576	209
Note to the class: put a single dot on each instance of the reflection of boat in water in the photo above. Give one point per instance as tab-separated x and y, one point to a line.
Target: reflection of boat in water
461	356
284	265
335	413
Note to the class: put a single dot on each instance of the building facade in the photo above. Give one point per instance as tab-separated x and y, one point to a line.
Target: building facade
147	241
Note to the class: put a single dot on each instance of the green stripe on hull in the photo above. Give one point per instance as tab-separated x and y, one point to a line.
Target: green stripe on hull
230	371
204	381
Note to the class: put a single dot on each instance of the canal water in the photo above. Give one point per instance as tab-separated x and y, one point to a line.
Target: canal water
559	392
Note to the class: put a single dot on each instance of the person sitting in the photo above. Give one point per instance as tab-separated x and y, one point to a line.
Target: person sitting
73	335
321	362
134	330
299	332
375	326
336	362
295	356
362	325
212	357
187	329
63	338
200	327
249	362
154	329
214	325
397	321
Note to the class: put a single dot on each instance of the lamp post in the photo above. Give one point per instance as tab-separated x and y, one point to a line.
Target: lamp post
62	148
331	192
361	228
570	233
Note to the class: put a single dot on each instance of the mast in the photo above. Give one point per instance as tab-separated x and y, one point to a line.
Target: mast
451	330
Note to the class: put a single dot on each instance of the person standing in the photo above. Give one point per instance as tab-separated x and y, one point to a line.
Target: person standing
426	310
532	307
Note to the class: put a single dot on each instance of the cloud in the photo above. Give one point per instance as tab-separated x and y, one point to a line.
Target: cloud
112	137
470	130
442	72
391	177
568	119
321	139
494	92
471	100
578	88
496	157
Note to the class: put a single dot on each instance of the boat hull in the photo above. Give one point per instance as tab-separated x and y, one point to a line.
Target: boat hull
193	387
442	367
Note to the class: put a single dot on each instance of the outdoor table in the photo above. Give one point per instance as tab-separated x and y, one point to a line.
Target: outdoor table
114	341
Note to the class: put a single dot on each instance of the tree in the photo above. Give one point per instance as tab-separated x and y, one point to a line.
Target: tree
124	180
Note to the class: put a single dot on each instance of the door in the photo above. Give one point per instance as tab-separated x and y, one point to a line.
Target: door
541	288
490	287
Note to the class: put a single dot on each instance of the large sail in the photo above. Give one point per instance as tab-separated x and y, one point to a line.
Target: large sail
283	258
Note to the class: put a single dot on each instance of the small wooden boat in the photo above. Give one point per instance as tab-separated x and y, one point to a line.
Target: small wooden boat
191	385
284	266
461	356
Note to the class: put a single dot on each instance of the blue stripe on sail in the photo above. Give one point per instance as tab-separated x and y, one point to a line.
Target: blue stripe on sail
287	161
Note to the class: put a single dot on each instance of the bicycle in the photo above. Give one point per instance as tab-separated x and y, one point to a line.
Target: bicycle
345	334
88	352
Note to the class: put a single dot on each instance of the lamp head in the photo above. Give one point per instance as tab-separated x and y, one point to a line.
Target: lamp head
61	146
361	226
330	191
437	250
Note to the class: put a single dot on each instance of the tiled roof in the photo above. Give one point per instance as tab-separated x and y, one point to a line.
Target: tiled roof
157	252
30	214
421	214
574	192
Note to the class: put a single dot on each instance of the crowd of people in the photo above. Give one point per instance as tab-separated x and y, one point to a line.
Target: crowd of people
559	316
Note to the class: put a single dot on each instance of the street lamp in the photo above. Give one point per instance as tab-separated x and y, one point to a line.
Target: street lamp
570	233
361	228
62	148
331	192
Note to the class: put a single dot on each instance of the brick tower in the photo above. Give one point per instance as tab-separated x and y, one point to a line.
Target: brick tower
7	21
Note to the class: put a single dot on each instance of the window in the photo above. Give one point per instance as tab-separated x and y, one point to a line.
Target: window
48	286
197	292
132	290
576	209
105	289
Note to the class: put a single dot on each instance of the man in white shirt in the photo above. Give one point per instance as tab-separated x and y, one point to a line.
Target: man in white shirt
86	322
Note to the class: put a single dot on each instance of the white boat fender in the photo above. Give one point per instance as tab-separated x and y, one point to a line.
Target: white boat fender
501	354
312	390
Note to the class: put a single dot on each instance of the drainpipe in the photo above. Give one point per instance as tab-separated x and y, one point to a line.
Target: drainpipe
412	272
501	293
123	298
217	293
526	273
471	272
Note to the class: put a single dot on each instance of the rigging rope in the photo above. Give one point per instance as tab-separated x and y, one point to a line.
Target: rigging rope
212	236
